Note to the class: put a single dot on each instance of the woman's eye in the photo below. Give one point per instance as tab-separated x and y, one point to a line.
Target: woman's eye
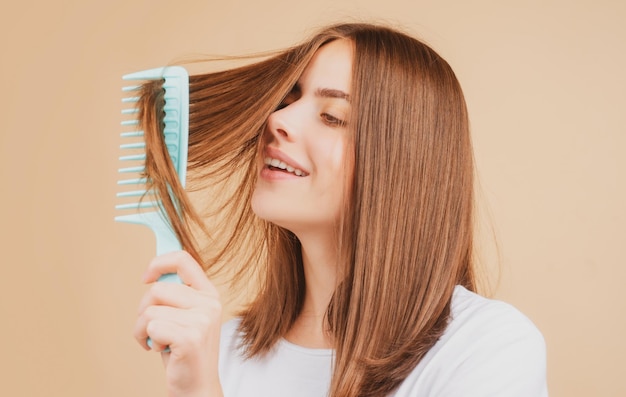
285	102
332	120
291	97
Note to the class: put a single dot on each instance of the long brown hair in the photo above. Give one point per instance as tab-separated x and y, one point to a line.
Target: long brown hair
406	235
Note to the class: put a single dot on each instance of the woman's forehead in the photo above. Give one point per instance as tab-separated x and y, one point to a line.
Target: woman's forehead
331	68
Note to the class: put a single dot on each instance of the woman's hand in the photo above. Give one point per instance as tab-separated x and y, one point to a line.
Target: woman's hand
187	319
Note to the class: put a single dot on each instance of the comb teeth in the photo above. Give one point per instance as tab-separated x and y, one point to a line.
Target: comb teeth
176	130
133	157
133	190
133	193
136	181
132	134
135	145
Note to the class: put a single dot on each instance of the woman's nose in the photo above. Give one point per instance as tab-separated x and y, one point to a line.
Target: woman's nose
283	123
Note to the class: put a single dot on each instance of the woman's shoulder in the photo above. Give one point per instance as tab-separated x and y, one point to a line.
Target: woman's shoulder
489	348
230	336
231	326
472	312
232	352
492	328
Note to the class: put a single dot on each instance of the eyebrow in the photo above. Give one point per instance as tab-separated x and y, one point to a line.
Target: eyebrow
332	93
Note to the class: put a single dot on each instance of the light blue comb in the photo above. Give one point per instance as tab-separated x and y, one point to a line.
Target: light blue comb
176	134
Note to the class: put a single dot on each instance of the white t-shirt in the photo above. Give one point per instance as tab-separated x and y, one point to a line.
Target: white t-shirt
488	349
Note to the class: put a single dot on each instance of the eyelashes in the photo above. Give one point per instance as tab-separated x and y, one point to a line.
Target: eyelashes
332	120
329	118
326	118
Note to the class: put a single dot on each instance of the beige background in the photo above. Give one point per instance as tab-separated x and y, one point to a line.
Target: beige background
546	90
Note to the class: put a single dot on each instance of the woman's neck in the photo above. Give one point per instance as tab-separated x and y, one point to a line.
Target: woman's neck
319	259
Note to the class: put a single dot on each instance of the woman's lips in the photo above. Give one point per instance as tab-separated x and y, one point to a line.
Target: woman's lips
276	161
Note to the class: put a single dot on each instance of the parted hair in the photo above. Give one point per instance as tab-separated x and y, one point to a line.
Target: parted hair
405	237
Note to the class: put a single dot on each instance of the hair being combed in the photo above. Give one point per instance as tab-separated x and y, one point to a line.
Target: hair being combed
406	235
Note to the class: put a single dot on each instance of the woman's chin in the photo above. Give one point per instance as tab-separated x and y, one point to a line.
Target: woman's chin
267	210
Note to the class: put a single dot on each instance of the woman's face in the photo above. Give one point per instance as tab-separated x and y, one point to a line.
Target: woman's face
302	165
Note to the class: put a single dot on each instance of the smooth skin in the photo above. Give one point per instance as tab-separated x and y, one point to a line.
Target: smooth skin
186	317
309	131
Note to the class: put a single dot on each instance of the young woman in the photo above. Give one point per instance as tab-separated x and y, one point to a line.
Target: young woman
345	173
